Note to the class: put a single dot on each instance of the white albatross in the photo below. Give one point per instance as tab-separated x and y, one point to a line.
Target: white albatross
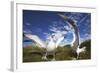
76	36
50	46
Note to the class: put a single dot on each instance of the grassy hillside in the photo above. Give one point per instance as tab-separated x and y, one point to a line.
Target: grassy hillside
34	54
87	53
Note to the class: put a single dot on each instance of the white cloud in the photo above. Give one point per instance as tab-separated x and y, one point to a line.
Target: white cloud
53	29
85	37
27	31
47	35
39	30
57	32
67	28
83	19
28	24
64	42
88	36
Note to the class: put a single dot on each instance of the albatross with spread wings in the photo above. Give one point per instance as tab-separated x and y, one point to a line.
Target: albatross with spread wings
50	46
76	37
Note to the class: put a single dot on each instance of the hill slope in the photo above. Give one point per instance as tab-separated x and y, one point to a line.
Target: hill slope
34	54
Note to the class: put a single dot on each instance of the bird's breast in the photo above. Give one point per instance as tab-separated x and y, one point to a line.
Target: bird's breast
51	46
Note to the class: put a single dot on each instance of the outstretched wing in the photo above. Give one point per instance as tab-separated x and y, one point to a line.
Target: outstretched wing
73	25
59	41
36	39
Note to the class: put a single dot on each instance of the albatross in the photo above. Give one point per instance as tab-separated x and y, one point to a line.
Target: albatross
50	46
76	36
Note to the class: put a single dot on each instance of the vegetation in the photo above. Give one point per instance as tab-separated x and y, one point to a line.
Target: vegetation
34	54
87	53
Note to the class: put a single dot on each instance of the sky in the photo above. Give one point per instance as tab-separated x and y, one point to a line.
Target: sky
46	23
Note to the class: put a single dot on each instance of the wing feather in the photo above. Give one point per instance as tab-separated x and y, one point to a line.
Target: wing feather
59	41
36	39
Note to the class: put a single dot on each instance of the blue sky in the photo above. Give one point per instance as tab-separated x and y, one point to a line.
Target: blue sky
45	23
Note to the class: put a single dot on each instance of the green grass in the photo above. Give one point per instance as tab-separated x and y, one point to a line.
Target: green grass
34	54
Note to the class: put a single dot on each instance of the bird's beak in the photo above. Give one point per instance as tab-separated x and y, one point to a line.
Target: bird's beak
63	16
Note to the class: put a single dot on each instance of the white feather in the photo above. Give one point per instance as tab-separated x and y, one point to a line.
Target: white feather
37	40
59	41
73	40
79	50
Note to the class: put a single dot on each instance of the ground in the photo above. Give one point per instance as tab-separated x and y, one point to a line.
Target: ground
34	54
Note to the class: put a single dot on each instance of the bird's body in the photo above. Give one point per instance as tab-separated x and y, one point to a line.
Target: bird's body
79	50
50	46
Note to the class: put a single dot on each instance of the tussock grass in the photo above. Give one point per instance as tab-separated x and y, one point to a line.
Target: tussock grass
34	54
